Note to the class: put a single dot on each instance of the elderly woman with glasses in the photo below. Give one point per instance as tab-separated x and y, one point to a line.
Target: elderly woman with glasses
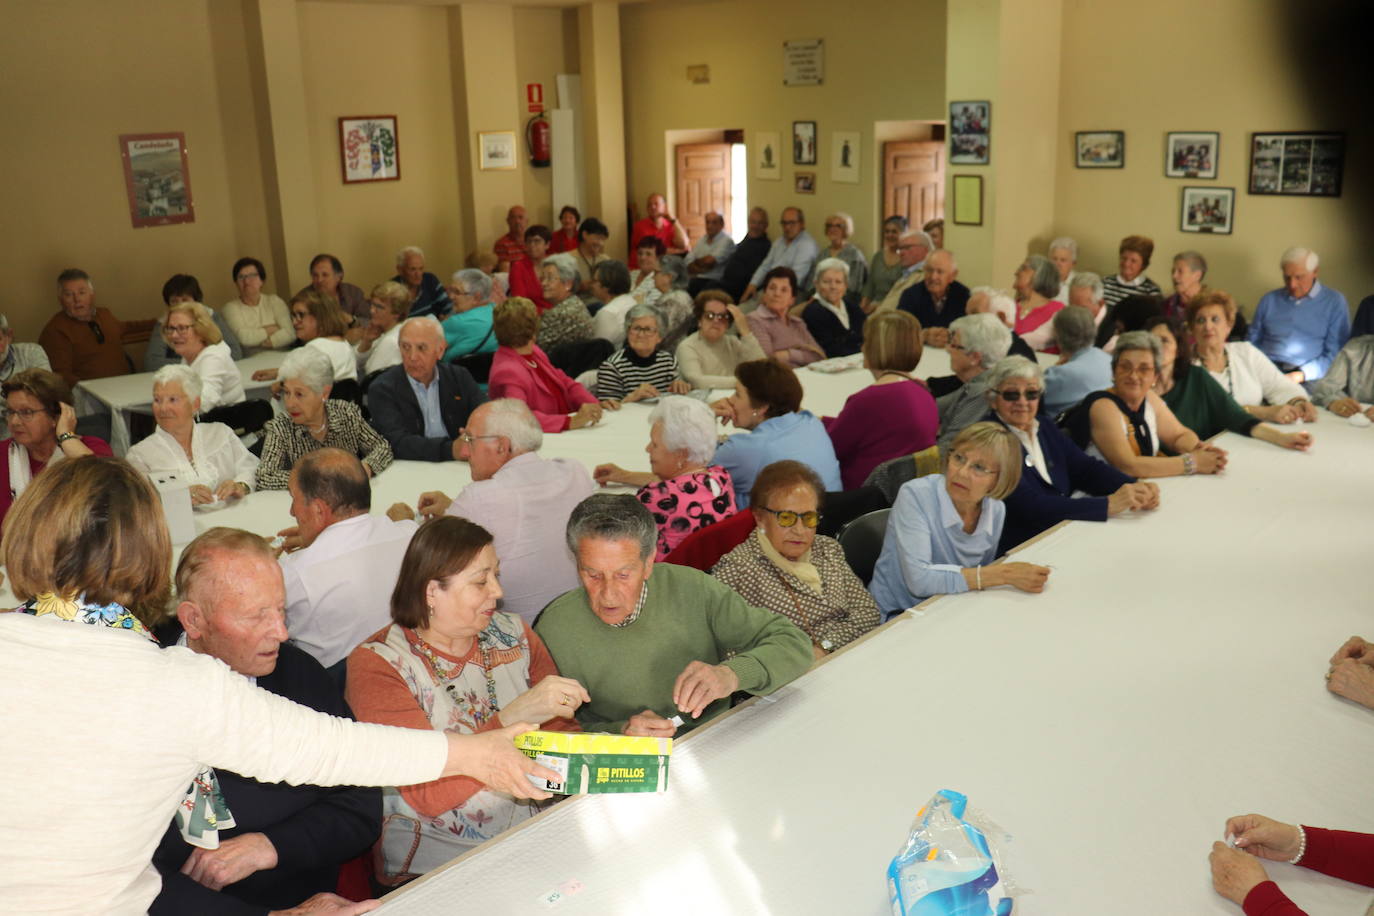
709	356
567	319
193	335
886	267
320	326
1240	367
640	369
379	347
260	320
42	426
1036	283
1055	468
683	490
944	529
835	320
468	329
785	567
838	229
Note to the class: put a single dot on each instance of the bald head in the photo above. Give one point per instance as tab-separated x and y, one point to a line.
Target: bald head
422	345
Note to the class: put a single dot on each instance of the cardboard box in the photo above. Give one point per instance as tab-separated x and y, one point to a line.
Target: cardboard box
593	763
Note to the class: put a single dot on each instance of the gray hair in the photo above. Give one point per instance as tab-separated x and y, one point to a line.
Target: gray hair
983	334
920	236
512	419
474	282
687	424
1087	278
567	269
1295	255
675	264
185	376
310	366
1137	340
1044	276
643	310
1196	261
407	252
1012	367
846	219
613	517
1000	303
4	323
1067	244
501	281
432	324
832	264
1074	328
676	307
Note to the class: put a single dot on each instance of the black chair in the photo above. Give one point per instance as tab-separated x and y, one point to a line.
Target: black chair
347	390
891	474
862	540
477	364
577	358
842	507
245	417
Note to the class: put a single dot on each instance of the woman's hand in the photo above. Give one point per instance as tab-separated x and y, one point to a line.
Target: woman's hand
201	495
586	415
1282	413
741	323
1307	411
643	391
611	403
1299	441
491	759
679	386
66	420
649	724
1344	407
1352	680
553	697
1355	647
1209	459
1234	874
722	409
1265	837
433	504
605	474
1128	496
231	490
1026	577
264	375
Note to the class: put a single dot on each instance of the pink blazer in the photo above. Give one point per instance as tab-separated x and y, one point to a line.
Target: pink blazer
548	391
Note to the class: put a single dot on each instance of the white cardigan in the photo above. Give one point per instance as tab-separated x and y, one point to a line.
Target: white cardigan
341	355
220	381
218	455
97	759
1253	379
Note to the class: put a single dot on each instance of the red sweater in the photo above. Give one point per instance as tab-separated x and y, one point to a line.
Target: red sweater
548	391
523	282
1338	853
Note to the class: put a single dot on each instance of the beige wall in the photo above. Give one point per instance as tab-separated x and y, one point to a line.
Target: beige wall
541	53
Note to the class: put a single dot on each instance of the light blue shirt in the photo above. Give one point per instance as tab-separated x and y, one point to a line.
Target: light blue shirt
798	254
720	248
797	436
469	332
428	396
1306	332
1088	370
926	547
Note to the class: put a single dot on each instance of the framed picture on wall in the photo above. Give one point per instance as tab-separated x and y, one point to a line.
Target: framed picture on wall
768	155
803	142
157	178
369	148
1191	154
804	182
970	132
1208	209
497	150
1302	164
844	156
1100	149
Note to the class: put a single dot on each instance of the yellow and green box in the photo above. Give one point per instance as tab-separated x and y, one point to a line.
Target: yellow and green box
593	763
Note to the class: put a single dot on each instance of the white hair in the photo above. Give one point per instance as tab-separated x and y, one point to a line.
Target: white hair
687	424
1012	367
953	261
564	264
846	219
1299	255
431	323
512	419
920	236
407	252
832	264
474	282
501	282
185	376
310	366
983	334
1091	280
1000	302
1067	244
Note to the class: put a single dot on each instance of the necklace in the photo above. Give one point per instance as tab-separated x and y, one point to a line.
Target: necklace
448	671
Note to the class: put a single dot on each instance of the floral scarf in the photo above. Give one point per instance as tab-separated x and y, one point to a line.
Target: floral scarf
202	813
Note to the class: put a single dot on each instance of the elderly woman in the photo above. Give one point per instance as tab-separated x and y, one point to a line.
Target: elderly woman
1055	468
640	369
1239	367
709	356
524	273
1036	283
42	430
468	330
782	336
648	254
427	293
1130	280
520	369
310	421
379	347
835	322
1128	424
567	320
676	308
15	358
896	415
208	456
683	490
1082	367
935	228
178	289
944	528
1238	875
1198	401
786	568
767	402
885	268
320	327
672	275
261	321
192	334
452	662
87	552
838	229
1189	269
1063	253
565	238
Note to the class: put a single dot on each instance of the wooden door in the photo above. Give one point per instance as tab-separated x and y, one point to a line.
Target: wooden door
703	186
914	180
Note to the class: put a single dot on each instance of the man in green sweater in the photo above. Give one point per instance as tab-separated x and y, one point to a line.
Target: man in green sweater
654	642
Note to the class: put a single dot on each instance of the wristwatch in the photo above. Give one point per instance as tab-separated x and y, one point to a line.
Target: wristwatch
65	436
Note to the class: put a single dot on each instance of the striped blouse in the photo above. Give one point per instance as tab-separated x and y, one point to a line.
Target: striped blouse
626	370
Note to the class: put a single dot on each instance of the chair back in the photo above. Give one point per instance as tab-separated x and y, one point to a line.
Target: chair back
891	474
244	417
703	548
477	364
862	540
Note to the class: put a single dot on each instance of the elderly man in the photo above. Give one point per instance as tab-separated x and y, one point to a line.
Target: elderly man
795	248
522	499
341	563
326	277
1350	381
1063	255
658	643
748	255
1082	368
938	299
1304	325
976	343
16	357
1000	304
82	340
427	294
1086	291
287	842
421	405
659	224
706	261
591	249
912	249
511	246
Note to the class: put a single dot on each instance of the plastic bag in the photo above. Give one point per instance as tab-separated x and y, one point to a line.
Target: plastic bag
946	867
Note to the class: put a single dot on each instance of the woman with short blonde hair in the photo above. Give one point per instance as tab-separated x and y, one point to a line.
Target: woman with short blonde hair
190	331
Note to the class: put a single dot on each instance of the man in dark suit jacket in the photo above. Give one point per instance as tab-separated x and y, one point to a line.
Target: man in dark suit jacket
421	405
938	299
287	842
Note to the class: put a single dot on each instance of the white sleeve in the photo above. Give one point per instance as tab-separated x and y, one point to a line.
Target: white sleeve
210	385
1277	387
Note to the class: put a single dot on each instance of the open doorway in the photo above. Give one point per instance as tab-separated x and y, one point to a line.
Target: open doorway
912	162
709	175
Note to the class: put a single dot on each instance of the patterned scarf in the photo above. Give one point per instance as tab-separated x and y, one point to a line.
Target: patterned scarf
202	813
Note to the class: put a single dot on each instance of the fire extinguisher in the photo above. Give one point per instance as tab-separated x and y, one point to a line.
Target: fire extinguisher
537	131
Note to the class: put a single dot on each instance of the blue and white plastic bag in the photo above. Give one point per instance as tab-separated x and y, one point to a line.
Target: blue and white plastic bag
946	867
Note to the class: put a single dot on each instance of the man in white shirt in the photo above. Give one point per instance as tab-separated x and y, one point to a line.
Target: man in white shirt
795	248
344	561
706	260
522	499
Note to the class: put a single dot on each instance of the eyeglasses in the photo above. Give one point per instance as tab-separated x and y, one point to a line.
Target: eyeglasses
1142	369
642	331
716	316
835	226
469	439
179	328
295	314
26	415
960	460
1012	395
787	518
